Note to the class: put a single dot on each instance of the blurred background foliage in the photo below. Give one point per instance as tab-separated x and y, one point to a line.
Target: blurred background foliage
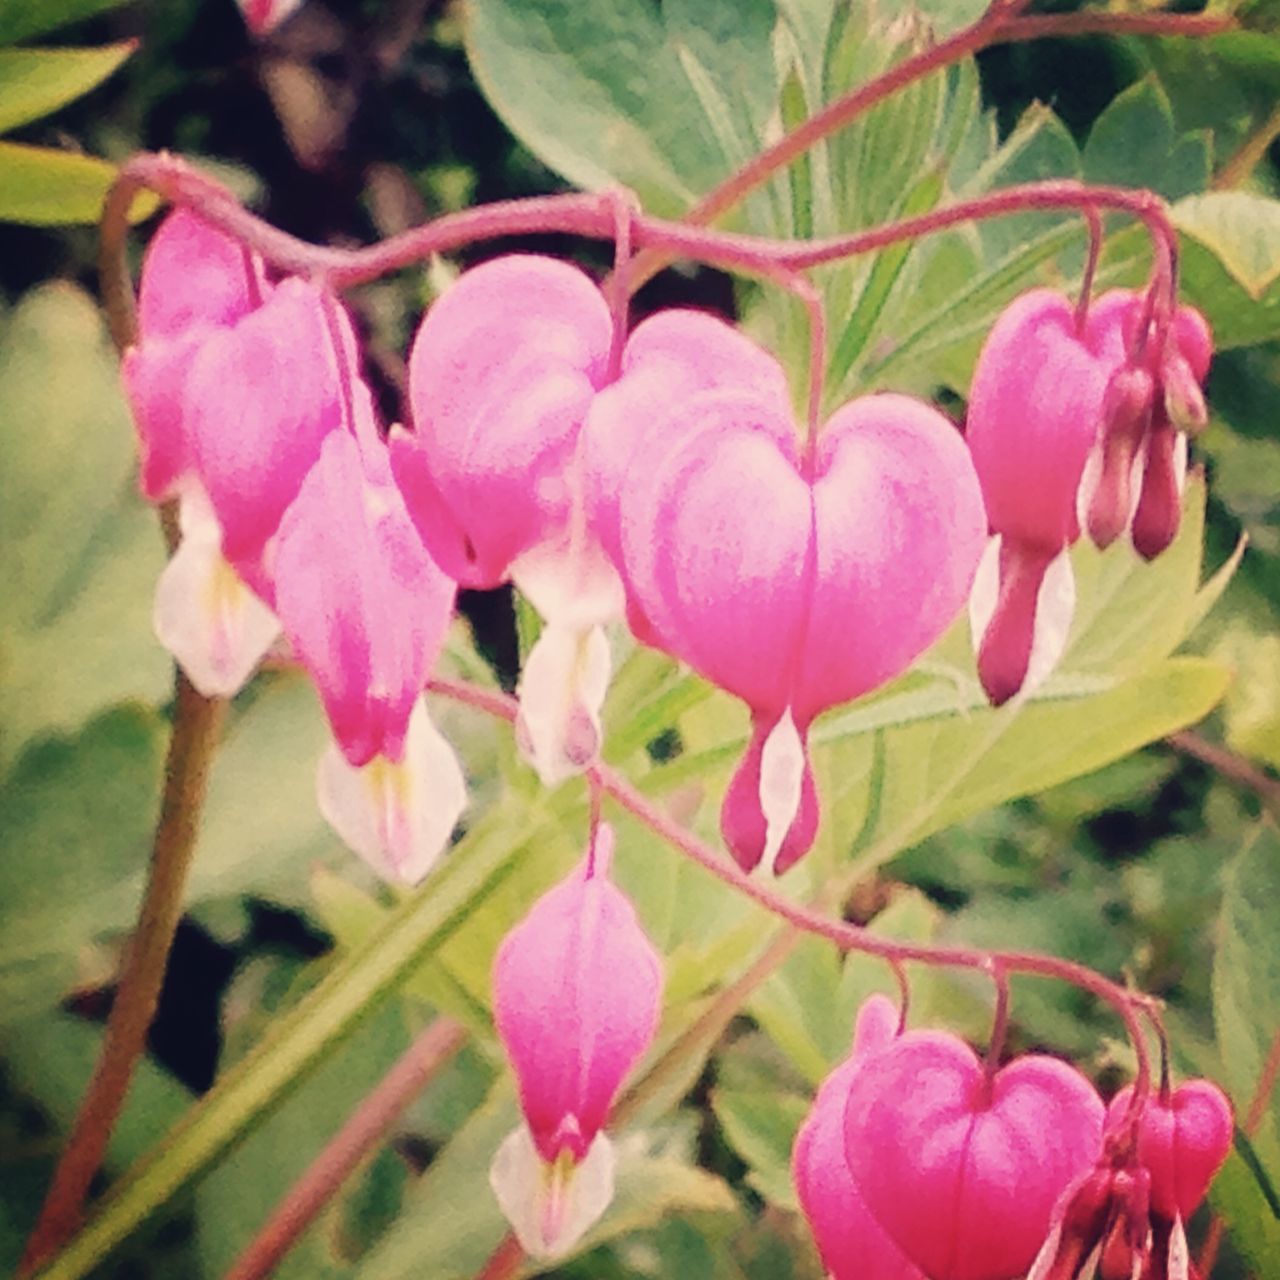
1088	822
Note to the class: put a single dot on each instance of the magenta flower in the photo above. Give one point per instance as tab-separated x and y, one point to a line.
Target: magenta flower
366	611
852	1243
577	990
1034	412
797	593
963	1171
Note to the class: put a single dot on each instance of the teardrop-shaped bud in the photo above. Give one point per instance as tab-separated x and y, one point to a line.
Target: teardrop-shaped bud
1159	511
1126	413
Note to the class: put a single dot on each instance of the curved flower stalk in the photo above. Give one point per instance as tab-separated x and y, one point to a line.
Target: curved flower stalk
796	591
963	1168
577	990
853	1245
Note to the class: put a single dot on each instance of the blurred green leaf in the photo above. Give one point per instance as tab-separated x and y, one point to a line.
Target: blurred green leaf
761	1127
35	82
47	188
82	552
1252	710
22	19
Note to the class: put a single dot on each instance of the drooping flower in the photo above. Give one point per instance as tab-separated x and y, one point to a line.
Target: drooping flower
851	1242
577	992
796	592
961	1169
366	611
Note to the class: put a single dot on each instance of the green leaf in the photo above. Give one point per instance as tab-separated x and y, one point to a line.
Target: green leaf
1133	144
46	188
303	1038
75	826
22	19
1242	230
1252	710
82	552
761	1127
658	101
35	82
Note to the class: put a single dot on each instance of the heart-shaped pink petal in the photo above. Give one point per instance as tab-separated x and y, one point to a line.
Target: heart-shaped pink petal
963	1171
1183	1144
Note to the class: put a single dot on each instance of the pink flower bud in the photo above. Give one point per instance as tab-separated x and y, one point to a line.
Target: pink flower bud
502	372
577	990
852	1243
796	593
961	1170
1126	415
1182	1142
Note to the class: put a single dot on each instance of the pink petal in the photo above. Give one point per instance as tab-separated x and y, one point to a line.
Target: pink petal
577	990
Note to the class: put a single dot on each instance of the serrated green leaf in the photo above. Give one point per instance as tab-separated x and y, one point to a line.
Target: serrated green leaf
45	188
36	82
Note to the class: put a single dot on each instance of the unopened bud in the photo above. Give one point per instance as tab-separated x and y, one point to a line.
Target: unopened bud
1159	511
1126	414
1184	401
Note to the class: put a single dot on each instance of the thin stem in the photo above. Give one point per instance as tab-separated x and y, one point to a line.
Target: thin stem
619	288
366	1128
1235	768
1000	1023
1238	167
196	724
1094	223
846	936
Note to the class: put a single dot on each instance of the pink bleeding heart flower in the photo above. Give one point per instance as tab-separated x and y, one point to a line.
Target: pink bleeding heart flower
851	1242
796	593
1154	402
962	1169
263	16
366	611
492	477
577	990
502	372
1182	1142
196	283
1035	407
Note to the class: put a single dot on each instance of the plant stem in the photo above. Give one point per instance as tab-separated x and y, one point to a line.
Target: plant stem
1238	167
1235	768
366	1127
847	937
196	724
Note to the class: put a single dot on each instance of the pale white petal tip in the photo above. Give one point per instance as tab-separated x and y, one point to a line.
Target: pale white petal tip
1047	1255
985	592
781	784
551	1206
573	586
1179	1253
216	628
1180	462
397	815
562	691
1055	608
1089	478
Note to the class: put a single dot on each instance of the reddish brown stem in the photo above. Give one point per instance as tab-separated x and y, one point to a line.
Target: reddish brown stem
366	1127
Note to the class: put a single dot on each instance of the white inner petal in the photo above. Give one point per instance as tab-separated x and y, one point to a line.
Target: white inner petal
781	783
985	592
397	815
551	1207
215	627
1047	1255
1089	478
1179	1254
562	690
574	586
1055	608
1180	461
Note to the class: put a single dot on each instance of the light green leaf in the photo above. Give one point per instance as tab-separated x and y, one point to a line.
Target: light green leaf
1252	710
761	1127
22	19
82	551
46	188
35	82
300	1040
1243	232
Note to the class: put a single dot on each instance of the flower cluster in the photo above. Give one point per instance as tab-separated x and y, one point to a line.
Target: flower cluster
660	477
918	1162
